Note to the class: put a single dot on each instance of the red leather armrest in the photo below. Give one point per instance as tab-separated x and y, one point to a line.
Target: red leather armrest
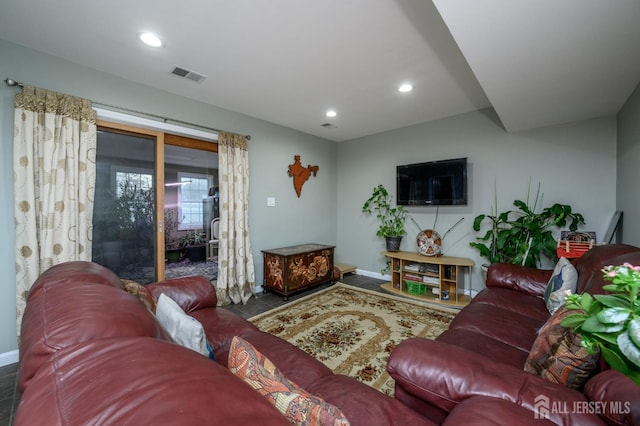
191	293
619	394
524	279
444	375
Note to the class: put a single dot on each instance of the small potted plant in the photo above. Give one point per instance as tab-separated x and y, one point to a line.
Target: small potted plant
194	241
611	322
391	217
521	236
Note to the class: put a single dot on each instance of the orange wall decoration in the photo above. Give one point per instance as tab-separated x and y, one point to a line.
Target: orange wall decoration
301	174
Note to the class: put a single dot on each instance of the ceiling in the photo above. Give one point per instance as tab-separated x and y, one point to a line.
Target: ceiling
538	63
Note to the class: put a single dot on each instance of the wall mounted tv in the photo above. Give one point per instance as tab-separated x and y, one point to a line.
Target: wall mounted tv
436	183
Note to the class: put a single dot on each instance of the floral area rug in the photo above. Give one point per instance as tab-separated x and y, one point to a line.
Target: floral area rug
145	274
353	330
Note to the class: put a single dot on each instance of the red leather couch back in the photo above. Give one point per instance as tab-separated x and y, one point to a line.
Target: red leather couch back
74	303
590	279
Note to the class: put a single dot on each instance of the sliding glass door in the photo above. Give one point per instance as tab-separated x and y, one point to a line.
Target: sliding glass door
124	217
154	204
190	210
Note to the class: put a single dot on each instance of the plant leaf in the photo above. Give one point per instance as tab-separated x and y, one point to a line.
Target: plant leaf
614	360
610	287
573	320
629	349
612	301
484	250
607	337
613	315
593	325
522	206
634	331
477	221
572	304
586	300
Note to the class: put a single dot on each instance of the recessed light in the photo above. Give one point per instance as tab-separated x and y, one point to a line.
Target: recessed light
404	88
150	39
331	113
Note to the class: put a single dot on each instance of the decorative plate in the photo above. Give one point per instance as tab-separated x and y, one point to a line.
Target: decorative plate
429	242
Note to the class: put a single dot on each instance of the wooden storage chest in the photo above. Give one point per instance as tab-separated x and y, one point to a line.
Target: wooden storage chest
291	269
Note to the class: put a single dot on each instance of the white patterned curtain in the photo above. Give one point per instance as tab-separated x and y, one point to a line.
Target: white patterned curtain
236	274
54	151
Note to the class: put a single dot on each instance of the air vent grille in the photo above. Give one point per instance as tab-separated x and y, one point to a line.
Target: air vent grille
188	74
329	126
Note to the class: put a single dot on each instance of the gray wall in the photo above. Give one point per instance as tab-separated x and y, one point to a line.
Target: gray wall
628	160
575	164
311	218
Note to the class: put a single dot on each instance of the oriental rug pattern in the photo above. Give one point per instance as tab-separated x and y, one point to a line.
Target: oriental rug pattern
353	330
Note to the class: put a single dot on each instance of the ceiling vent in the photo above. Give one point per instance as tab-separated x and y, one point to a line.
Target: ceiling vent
188	74
329	126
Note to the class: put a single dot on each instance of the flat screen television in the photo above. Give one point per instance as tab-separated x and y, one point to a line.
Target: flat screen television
435	183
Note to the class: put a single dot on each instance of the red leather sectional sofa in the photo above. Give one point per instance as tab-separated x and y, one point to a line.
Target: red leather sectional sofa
91	353
473	373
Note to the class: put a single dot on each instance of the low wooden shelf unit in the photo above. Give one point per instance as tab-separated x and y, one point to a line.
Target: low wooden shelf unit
429	278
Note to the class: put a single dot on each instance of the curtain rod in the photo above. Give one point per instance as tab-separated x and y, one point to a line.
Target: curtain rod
13	83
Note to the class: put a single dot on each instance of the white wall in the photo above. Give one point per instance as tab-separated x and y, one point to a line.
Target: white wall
575	164
628	160
311	218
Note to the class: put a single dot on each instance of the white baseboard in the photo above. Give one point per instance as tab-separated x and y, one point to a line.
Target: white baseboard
373	274
8	358
473	292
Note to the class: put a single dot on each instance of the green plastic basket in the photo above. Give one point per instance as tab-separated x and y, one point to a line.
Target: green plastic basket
416	288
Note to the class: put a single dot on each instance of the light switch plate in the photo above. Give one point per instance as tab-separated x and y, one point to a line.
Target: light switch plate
271	201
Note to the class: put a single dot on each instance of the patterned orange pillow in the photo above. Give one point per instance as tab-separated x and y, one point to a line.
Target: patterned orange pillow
558	356
141	293
300	407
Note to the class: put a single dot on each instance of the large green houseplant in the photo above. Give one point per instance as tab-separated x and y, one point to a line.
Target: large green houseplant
611	323
521	236
391	217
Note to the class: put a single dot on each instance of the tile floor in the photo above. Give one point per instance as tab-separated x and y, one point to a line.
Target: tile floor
9	397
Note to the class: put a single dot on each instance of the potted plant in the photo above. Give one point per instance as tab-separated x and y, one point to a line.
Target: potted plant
611	323
194	241
391	217
521	236
173	247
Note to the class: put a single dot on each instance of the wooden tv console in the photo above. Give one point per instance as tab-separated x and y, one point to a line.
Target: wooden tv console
432	276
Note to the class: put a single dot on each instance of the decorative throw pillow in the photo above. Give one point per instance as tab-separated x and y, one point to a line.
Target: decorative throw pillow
183	329
300	407
558	356
563	282
141	293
